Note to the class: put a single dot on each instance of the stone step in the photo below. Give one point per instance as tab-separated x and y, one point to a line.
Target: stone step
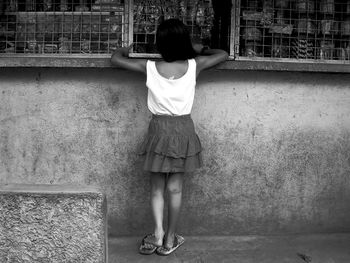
52	223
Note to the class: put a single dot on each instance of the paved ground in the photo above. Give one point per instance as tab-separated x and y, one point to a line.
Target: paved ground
315	248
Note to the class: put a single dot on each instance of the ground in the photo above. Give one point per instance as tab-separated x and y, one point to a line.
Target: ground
311	248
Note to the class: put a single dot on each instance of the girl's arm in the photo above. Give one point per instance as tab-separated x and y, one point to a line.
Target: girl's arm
209	57
120	58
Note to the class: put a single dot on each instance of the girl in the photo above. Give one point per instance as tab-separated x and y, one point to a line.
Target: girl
172	148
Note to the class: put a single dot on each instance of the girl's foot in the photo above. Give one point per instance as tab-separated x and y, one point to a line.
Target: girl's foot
147	248
155	239
166	250
169	241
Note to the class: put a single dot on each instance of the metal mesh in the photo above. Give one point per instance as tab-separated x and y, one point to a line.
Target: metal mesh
62	26
296	29
317	30
198	15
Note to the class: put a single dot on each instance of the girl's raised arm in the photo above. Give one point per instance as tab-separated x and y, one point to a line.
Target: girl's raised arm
209	58
120	58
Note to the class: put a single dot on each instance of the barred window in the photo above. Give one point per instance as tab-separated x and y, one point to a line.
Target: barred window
197	15
101	26
63	26
295	29
306	31
208	21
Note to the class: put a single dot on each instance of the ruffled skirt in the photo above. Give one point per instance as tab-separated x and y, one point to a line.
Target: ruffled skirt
171	145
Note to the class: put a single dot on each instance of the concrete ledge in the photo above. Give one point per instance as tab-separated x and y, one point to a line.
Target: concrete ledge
52	223
103	61
49	188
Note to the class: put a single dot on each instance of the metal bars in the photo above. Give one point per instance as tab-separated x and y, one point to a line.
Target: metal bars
306	30
62	26
198	15
274	30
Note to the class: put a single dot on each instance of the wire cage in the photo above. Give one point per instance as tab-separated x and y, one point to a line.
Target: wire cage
101	26
63	26
282	30
198	15
293	30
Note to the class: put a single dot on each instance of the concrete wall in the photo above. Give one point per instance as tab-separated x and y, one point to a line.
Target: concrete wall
277	146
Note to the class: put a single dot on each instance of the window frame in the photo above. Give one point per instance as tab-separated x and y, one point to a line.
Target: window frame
267	61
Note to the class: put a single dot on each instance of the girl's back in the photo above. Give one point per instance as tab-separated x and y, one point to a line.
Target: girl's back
173	70
171	87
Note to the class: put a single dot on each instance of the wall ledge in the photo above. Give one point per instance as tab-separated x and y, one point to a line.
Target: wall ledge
103	61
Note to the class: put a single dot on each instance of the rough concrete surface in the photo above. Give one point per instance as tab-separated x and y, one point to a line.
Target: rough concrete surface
315	248
52	224
276	146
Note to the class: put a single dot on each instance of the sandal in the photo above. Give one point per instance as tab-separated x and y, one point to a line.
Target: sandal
164	251
147	248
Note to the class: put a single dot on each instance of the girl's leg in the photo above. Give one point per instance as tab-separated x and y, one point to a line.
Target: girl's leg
157	205
174	187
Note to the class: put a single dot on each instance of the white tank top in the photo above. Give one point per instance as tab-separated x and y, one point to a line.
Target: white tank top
170	96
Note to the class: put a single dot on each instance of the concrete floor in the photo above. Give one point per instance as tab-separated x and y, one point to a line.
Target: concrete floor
312	248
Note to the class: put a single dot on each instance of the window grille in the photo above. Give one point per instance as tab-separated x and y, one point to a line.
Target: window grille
198	15
101	26
293	30
63	26
253	30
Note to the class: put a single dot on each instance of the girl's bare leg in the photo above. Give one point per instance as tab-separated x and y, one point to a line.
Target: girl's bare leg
157	205
174	187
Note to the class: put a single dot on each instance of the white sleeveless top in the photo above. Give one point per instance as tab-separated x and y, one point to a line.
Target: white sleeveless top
170	96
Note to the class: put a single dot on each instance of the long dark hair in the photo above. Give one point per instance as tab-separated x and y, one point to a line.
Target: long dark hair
173	41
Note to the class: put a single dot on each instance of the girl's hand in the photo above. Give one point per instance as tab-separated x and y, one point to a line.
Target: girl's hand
130	46
197	48
124	51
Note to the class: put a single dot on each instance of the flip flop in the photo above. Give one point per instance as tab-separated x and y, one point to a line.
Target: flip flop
178	241
148	248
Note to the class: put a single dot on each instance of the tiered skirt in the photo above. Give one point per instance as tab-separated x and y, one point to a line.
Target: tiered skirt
171	145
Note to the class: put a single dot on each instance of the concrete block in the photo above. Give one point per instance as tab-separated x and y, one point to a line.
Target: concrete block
52	223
